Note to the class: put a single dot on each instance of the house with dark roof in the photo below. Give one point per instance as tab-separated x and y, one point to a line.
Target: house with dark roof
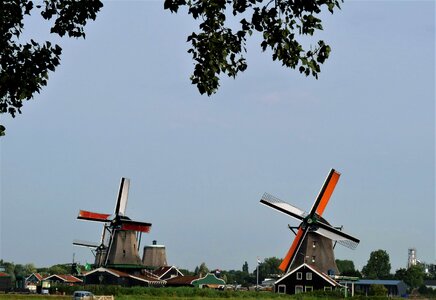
62	279
5	282
115	277
32	282
167	272
394	287
305	278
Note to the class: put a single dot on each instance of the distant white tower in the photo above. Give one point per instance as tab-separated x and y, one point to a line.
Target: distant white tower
412	258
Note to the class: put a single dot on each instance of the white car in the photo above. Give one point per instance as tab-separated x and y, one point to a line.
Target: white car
82	295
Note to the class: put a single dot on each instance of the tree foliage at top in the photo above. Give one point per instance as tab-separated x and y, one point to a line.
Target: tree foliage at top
413	276
218	48
24	66
346	268
378	265
245	268
201	270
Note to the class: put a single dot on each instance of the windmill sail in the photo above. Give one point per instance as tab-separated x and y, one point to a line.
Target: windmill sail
282	206
123	194
312	225
122	244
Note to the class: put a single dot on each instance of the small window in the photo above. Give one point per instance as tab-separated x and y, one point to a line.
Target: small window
298	289
299	275
309	276
327	288
281	289
308	288
313	259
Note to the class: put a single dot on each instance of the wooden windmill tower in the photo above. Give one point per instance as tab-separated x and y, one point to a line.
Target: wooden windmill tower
121	236
313	243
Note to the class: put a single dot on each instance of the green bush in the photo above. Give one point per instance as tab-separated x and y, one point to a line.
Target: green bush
423	290
324	294
378	290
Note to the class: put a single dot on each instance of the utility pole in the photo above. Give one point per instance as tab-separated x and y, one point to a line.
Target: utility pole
257	274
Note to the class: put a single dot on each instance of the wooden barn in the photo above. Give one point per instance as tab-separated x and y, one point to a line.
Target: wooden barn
304	278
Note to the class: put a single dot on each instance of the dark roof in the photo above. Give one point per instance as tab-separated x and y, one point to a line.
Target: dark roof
182	280
430	282
159	272
144	277
162	271
147	277
64	278
38	276
378	281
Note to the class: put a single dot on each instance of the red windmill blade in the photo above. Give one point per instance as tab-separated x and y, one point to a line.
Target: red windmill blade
92	216
135	226
311	222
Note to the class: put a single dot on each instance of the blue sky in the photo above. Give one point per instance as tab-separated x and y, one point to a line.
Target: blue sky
121	104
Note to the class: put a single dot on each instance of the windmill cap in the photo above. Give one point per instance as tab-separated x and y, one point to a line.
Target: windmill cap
154	245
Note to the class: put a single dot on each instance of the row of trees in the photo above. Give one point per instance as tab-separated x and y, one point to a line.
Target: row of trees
379	267
24	270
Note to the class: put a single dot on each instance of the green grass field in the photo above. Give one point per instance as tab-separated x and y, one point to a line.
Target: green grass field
125	297
148	297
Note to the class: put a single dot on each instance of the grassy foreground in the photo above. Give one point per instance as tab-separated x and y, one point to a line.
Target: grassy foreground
148	297
129	297
192	294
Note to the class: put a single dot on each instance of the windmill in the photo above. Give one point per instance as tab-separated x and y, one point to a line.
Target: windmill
313	240
121	236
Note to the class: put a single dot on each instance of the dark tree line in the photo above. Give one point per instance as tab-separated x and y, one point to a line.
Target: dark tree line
24	270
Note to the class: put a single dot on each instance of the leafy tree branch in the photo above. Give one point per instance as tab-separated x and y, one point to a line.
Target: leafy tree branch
217	48
24	66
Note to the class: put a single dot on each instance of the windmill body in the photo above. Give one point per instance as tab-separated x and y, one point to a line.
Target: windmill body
316	251
120	237
124	249
313	243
